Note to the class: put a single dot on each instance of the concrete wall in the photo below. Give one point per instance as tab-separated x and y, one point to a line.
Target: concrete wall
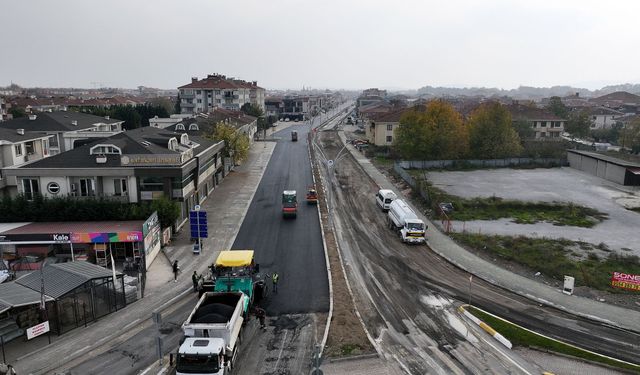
600	168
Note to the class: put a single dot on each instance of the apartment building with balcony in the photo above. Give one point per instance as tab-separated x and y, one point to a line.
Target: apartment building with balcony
4	110
218	91
138	165
18	148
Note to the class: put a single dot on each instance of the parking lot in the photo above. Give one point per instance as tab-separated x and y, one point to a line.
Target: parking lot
619	232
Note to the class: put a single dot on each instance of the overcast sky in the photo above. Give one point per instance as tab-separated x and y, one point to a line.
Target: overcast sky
321	43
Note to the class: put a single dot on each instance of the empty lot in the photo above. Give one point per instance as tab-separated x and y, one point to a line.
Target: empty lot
619	232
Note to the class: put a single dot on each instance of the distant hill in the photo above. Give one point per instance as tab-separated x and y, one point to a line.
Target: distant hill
525	92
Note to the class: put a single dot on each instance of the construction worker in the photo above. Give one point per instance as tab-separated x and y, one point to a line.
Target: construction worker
274	279
261	314
195	278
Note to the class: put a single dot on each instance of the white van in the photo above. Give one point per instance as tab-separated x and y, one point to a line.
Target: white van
384	198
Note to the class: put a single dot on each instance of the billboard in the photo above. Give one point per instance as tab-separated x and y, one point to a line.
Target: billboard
625	281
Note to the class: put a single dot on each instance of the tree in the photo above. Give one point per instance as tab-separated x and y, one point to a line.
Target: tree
630	136
163	102
17	112
252	110
434	132
236	144
492	135
578	124
177	108
524	129
558	108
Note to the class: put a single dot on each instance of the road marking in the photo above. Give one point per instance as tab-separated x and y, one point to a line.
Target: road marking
129	325
80	350
281	348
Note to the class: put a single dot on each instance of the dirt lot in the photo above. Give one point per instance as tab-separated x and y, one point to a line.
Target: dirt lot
627	300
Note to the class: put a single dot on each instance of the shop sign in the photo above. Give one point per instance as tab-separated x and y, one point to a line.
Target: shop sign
37	330
60	237
106	237
148	159
625	281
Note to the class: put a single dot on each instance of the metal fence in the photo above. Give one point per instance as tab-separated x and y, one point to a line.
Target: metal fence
416	185
490	163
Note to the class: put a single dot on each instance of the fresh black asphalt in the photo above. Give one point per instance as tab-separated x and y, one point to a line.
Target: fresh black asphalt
291	247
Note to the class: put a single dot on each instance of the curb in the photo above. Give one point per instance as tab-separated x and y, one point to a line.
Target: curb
501	339
325	336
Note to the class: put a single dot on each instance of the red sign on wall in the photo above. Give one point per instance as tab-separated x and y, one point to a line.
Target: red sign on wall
625	281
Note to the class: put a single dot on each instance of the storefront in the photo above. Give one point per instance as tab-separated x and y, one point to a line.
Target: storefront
133	244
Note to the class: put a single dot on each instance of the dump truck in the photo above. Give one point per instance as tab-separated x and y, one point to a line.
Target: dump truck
289	203
404	220
236	271
212	334
294	136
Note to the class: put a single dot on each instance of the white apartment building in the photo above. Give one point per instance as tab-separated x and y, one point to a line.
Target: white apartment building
218	91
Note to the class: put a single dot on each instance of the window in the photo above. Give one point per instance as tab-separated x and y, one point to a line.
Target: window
30	148
30	188
389	138
198	92
86	187
151	184
199	100
18	150
193	127
45	147
53	188
104	150
180	127
53	141
389	127
120	186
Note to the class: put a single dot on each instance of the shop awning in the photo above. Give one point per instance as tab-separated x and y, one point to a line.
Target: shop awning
13	294
62	278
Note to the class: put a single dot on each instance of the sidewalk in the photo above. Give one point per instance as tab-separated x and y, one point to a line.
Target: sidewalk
226	207
448	249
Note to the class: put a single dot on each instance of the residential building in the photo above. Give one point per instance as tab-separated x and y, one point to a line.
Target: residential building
603	117
367	111
274	106
545	124
137	165
617	100
16	149
68	129
381	127
375	92
218	91
4	110
164	123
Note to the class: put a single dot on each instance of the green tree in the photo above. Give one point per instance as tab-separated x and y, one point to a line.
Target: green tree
236	144
434	132
252	110
492	135
162	102
17	112
630	136
558	108
578	124
177	108
524	129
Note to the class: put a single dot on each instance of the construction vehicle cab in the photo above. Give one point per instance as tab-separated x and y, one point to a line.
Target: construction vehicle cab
236	271
312	195
289	203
